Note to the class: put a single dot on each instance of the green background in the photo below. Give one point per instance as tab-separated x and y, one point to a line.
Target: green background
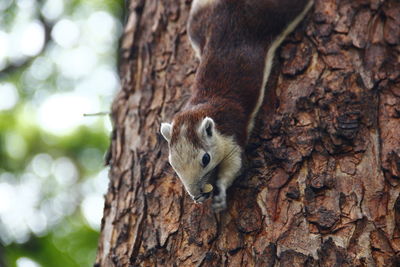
53	179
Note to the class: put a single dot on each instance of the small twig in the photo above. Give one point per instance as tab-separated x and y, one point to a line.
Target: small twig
105	113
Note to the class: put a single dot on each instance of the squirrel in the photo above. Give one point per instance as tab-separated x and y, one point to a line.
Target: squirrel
235	41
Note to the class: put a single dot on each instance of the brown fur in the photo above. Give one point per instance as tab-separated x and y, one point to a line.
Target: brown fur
234	37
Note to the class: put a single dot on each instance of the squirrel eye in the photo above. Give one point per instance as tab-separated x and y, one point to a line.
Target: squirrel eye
206	159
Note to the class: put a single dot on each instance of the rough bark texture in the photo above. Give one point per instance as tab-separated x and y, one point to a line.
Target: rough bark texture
321	183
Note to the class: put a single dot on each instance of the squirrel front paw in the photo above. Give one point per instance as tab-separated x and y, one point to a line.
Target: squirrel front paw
219	202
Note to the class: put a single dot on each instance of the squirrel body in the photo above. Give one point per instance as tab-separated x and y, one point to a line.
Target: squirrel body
235	41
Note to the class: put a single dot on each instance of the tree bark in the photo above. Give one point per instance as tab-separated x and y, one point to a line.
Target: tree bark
321	182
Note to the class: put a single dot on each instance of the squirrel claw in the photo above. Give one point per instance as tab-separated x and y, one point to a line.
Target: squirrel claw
219	203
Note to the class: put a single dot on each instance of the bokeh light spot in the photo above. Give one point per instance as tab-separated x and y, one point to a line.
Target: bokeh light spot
15	145
6	192
4	46
61	113
8	96
52	9
4	4
65	33
65	171
41	164
32	39
41	69
26	262
76	63
92	209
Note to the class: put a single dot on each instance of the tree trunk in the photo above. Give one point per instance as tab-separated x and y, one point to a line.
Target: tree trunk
321	182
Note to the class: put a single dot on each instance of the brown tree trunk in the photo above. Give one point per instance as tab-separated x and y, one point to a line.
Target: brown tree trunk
321	183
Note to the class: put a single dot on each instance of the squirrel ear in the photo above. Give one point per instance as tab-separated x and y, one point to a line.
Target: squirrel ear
207	126
166	129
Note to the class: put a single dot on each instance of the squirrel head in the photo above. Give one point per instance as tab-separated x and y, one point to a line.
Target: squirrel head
195	150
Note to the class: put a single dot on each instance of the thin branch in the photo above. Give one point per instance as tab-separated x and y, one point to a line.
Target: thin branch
104	113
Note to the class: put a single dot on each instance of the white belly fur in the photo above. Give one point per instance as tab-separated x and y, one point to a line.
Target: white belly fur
196	6
269	59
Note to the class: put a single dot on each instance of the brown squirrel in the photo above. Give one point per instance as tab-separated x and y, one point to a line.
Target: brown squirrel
236	41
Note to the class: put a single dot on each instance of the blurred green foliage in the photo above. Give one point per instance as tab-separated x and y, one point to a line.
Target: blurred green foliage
72	243
72	240
38	141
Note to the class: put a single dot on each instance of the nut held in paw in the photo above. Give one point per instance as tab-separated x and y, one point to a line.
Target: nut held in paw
208	188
